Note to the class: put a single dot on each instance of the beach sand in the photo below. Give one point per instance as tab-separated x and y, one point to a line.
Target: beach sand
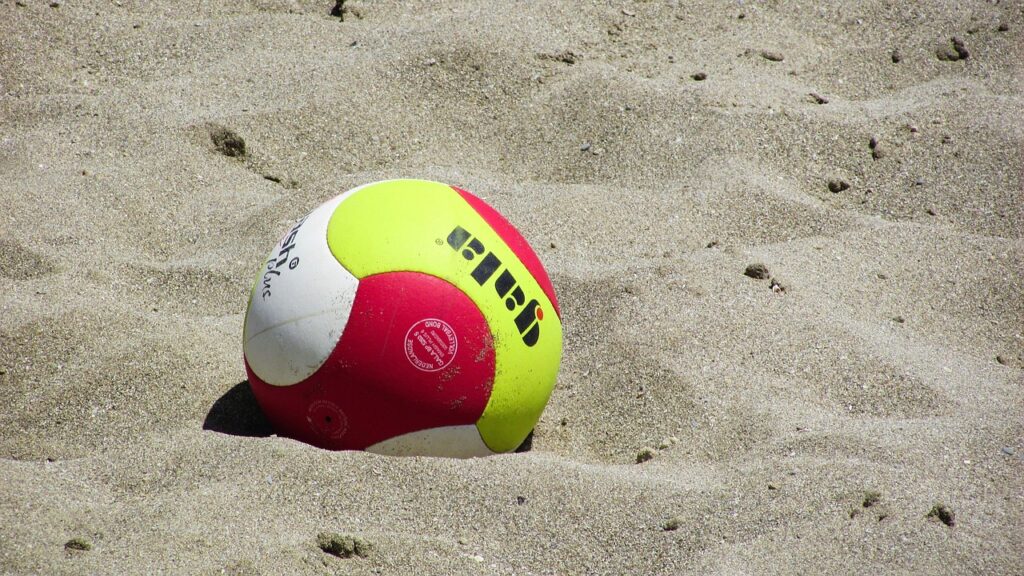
804	423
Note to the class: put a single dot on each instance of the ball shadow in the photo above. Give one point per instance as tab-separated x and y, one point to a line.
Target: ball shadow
237	413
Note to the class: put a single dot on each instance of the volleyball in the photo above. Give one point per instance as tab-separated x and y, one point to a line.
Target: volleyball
404	317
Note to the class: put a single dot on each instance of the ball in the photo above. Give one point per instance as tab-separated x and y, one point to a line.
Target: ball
403	317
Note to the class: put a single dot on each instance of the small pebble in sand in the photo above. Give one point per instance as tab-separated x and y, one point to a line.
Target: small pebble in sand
896	56
919	182
946	54
818	98
342	545
899	319
772	55
999	358
565	56
776	286
78	543
951	53
227	142
672	524
712	244
699	76
837	186
585	146
646	453
1003	27
757	271
1008	450
943	514
931	211
55	4
877	150
871	497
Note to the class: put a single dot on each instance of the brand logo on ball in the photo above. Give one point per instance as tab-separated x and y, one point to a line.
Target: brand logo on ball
505	285
430	344
274	265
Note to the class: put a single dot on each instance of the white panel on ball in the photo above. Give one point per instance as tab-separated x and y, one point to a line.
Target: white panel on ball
300	303
448	441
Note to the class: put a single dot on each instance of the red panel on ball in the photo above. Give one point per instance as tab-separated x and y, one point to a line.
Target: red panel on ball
515	241
416	354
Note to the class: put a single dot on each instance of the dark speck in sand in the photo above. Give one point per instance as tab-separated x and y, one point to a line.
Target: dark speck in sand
757	271
646	453
954	51
837	186
338	11
943	514
78	543
227	142
871	497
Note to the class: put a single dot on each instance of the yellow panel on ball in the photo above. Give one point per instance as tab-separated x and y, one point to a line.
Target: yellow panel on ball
428	227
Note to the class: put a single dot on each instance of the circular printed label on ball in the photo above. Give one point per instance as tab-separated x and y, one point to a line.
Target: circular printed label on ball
430	344
327	419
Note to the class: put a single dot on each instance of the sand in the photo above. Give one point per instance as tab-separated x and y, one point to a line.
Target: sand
804	423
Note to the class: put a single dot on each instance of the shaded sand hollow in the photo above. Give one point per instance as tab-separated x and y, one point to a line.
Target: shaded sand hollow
859	408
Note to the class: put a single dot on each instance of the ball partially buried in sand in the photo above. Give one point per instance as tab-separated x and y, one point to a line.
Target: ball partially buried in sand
403	317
